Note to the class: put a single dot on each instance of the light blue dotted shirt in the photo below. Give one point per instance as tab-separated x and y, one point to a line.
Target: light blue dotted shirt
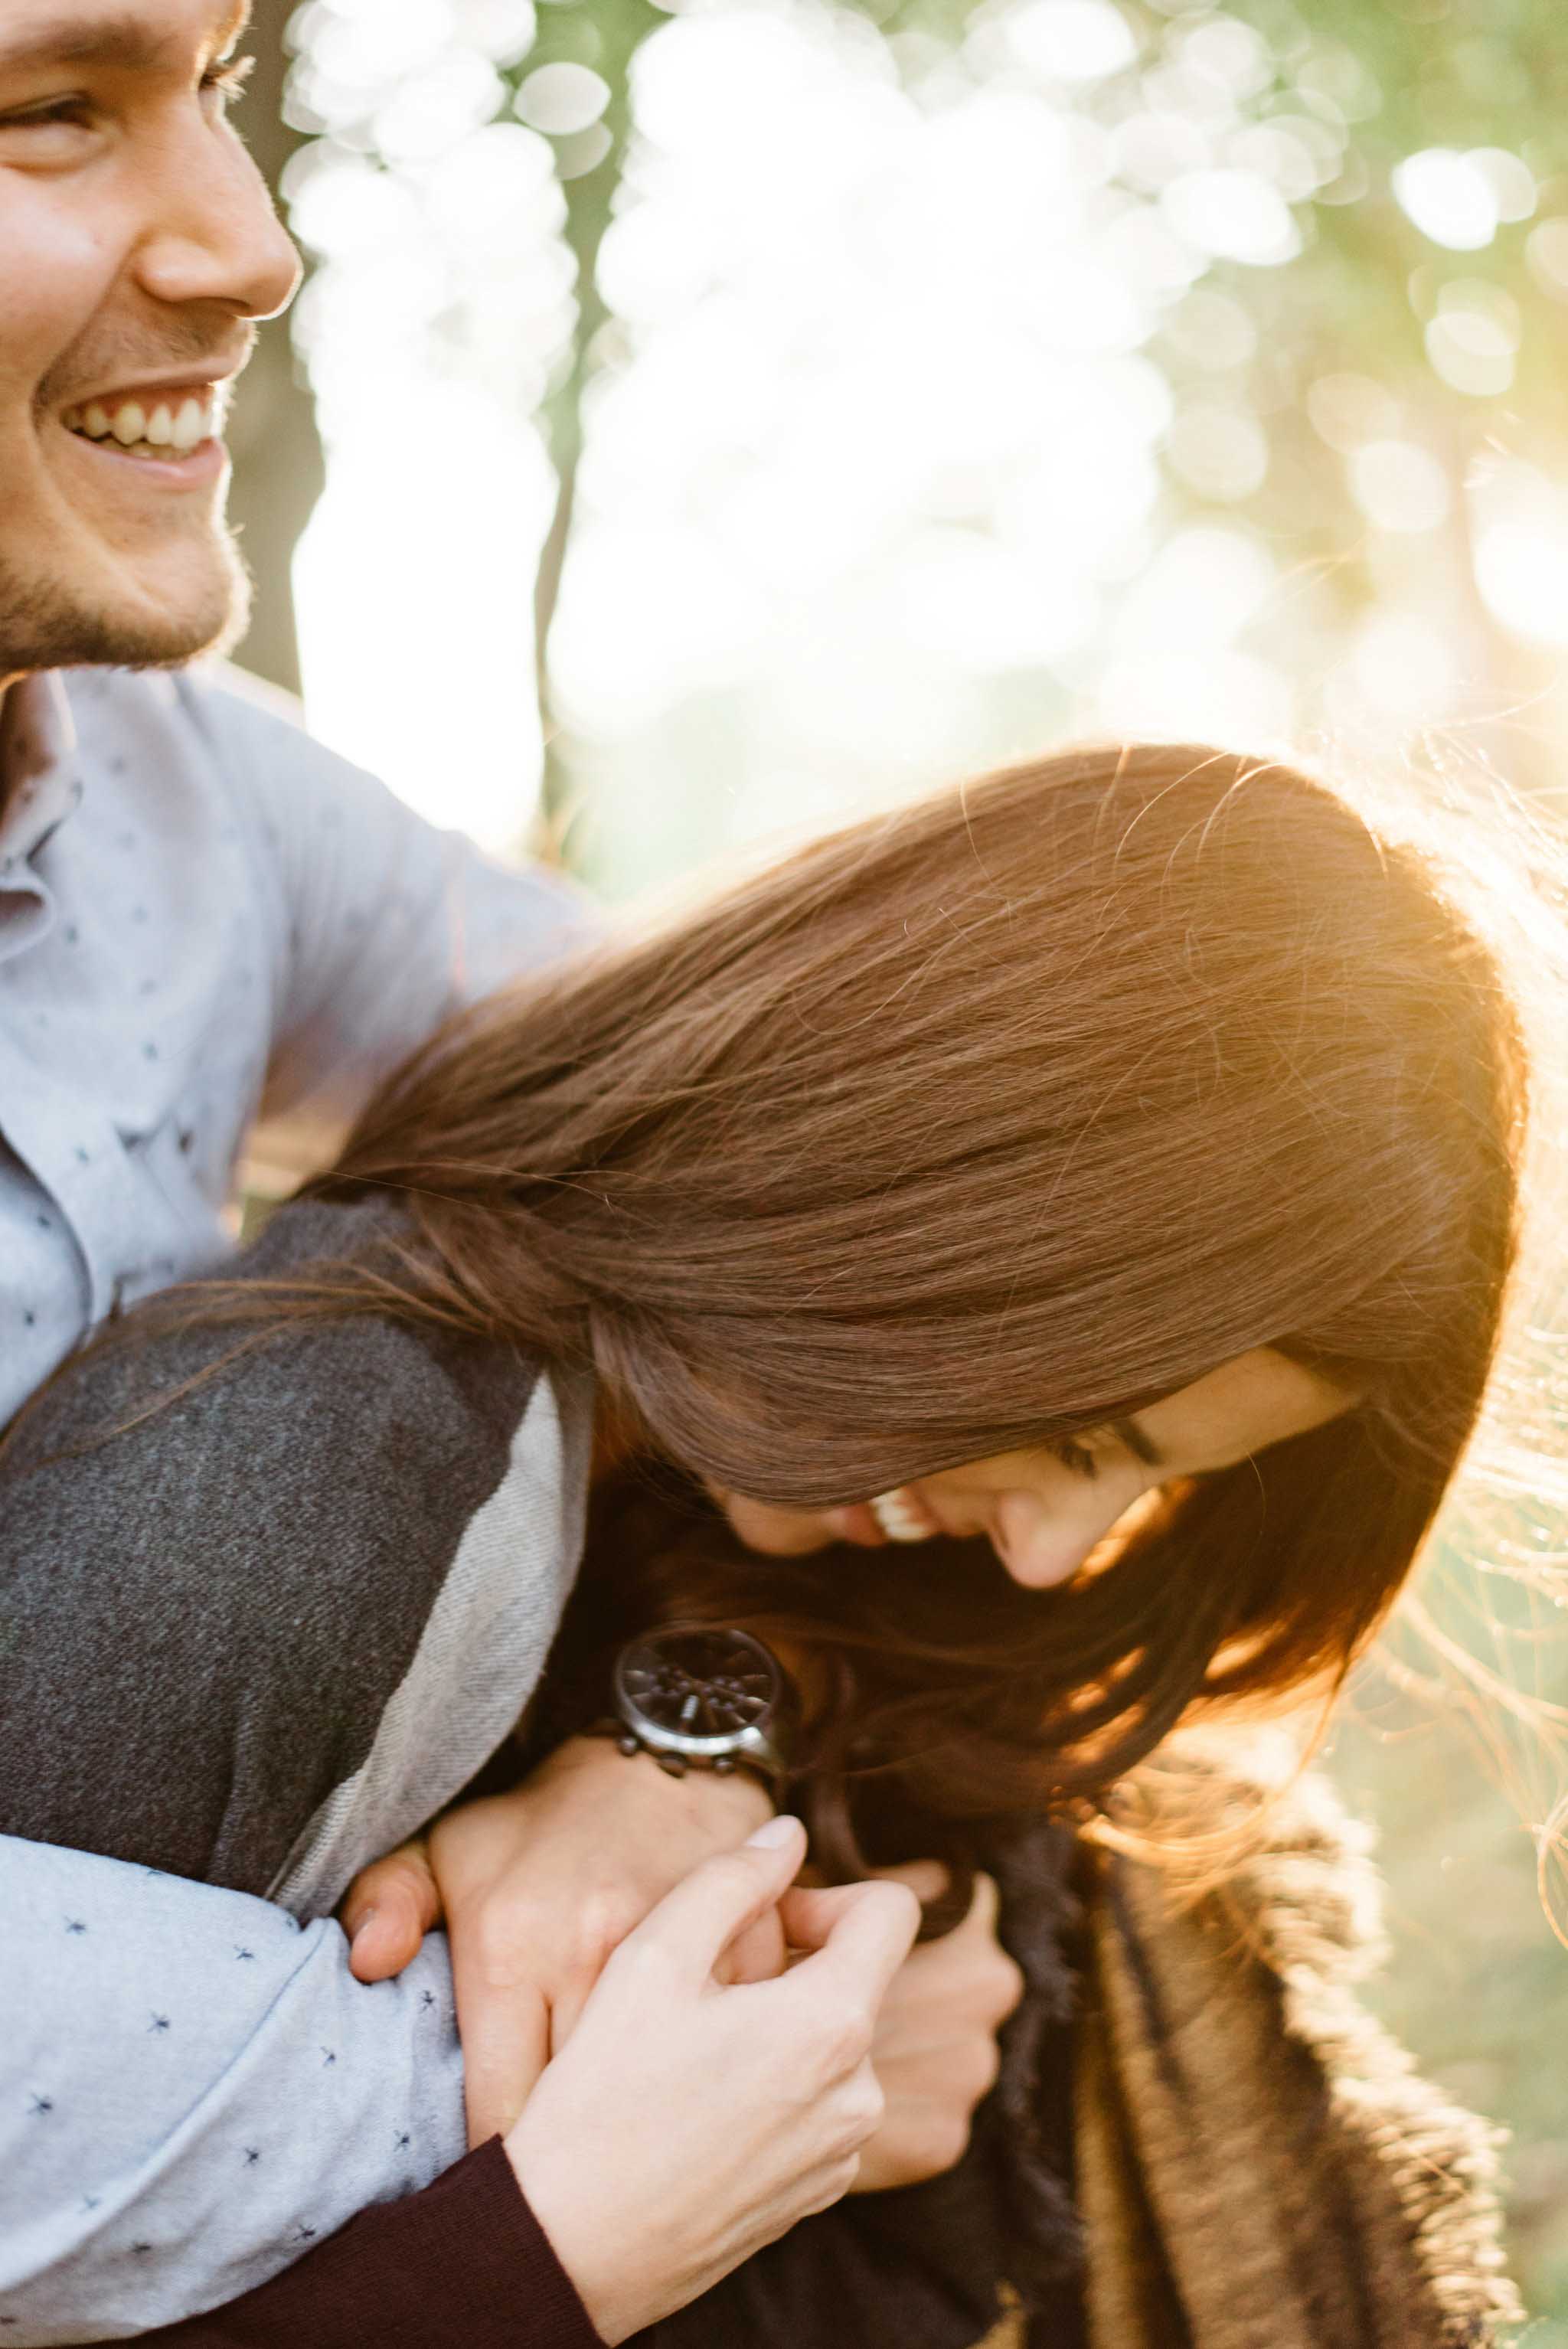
203	917
194	2090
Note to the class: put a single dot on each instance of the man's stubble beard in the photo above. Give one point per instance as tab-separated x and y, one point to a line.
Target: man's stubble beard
43	622
43	625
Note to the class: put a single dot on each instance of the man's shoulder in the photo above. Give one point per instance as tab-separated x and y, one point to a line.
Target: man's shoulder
247	729
249	715
225	682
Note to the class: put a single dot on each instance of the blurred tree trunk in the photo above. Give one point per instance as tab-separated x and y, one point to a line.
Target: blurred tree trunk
278	466
618	33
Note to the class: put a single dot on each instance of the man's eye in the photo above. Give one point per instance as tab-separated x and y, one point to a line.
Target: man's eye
73	111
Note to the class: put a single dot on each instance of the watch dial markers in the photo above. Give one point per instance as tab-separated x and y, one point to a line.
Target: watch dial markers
700	1683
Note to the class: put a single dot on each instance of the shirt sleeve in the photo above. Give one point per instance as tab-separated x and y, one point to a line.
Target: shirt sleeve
465	2261
383	924
194	2092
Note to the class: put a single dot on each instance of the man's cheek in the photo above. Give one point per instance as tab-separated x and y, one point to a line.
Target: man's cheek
58	275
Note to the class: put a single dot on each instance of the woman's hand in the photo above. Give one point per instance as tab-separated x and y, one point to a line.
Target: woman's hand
542	1885
686	2124
538	1888
935	2046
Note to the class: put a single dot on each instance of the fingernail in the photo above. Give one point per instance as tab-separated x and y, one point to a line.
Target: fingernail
774	1832
360	1924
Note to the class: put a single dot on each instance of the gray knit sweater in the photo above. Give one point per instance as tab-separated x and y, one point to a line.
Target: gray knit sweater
253	1638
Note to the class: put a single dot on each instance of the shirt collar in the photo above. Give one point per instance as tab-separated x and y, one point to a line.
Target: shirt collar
38	784
37	762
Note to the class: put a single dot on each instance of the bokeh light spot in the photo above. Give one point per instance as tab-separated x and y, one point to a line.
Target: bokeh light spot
1071	40
1449	197
1472	351
1521	554
1219	452
561	98
1346	409
1546	252
1400	487
1235	215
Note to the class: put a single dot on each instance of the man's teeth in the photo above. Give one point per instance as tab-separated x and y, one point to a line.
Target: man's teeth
178	425
898	1520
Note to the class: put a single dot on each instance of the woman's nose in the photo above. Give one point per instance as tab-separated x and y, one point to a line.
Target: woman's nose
1042	1544
1038	1544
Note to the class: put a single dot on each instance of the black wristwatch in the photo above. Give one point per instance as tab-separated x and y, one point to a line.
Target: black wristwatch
699	1696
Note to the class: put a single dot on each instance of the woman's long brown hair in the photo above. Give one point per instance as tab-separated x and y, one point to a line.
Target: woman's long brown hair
984	1122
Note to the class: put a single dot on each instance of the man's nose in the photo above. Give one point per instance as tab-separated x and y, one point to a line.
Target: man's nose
217	238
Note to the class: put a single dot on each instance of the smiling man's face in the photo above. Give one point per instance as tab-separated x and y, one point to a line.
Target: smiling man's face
137	248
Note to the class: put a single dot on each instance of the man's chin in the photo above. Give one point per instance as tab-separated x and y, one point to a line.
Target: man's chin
45	623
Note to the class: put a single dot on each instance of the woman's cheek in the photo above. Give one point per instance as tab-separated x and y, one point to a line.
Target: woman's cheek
775	1533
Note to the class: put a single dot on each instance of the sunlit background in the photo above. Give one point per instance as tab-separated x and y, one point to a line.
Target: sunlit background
743	413
1066	366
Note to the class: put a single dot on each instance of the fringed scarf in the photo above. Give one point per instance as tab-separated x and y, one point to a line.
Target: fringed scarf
1199	2138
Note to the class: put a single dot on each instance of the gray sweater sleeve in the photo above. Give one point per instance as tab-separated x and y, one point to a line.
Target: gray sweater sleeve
193	2090
252	1637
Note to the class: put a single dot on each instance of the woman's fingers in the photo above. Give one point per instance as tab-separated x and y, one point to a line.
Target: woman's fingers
998	1977
541	1886
756	1953
390	1907
509	2040
707	2120
984	1910
862	1932
506	2046
926	1878
699	1923
935	2050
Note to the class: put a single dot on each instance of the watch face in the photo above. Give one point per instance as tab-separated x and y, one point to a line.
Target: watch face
699	1690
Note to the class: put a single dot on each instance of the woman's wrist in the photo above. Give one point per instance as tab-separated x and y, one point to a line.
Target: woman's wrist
706	1797
574	2226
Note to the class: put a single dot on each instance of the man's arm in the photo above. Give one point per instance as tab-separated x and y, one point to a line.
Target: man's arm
194	2091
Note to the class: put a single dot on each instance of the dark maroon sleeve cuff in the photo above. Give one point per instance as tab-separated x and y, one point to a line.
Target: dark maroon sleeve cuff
465	2262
